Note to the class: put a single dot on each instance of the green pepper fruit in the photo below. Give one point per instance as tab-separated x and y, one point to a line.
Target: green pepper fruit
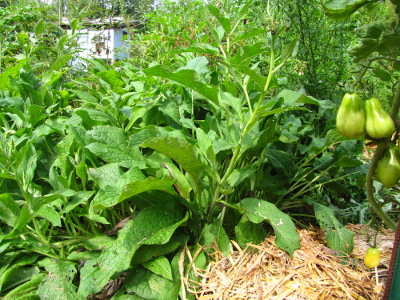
388	170
372	257
379	124
350	119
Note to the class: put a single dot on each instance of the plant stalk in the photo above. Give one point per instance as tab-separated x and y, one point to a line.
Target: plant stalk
374	164
246	129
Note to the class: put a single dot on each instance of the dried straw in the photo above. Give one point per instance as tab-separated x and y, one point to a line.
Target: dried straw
266	272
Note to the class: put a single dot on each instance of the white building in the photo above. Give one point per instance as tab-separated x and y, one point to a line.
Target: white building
102	38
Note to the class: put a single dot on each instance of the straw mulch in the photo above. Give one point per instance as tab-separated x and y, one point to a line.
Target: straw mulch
266	272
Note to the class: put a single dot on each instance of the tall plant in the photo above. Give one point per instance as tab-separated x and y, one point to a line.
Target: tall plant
122	177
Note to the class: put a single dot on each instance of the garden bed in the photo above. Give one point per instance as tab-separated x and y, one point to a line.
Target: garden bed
266	272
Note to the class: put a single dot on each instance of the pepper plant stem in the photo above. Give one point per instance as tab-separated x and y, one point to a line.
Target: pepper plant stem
374	164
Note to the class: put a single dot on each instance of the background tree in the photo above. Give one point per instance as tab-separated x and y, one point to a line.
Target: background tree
100	8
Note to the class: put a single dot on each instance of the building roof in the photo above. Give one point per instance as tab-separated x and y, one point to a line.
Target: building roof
112	22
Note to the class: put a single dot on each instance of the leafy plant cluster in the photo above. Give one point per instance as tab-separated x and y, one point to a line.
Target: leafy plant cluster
378	52
321	73
114	183
29	37
375	51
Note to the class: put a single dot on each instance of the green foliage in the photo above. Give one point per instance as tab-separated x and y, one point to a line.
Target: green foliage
378	51
110	179
343	9
93	9
322	73
29	36
337	237
258	211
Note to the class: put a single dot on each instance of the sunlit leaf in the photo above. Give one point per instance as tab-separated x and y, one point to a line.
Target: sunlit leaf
182	152
339	9
188	78
259	210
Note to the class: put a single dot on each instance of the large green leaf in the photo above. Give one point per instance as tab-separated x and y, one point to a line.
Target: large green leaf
6	75
198	64
246	53
153	225
85	97
109	195
339	9
79	198
16	269
214	234
160	266
9	210
200	48
93	117
204	143
334	137
110	144
182	152
113	78
374	40
338	237
297	98
239	175
48	212
225	22
282	161
249	232
228	100
148	252
15	276
188	78
27	162
113	175
259	210
149	184
266	110
149	284
24	288
251	32
24	217
40	27
61	61
254	76
58	283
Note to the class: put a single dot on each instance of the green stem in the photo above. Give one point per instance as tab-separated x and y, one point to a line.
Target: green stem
72	241
249	124
1	56
231	164
246	94
311	182
374	164
39	233
269	78
369	62
303	191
